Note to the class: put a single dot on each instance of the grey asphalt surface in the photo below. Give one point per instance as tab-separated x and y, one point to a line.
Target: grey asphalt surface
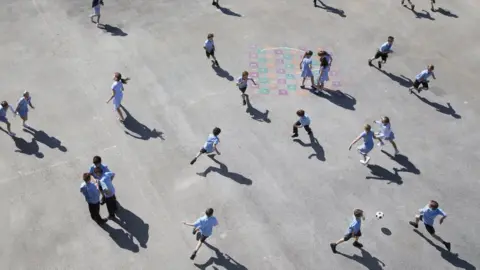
279	202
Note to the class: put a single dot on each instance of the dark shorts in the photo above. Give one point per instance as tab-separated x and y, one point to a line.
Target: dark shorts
203	238
382	55
243	89
211	53
3	119
349	235
429	228
417	83
203	151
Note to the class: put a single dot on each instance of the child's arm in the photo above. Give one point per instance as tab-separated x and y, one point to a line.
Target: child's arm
216	150
188	224
433	76
253	81
354	142
31	105
13	111
113	95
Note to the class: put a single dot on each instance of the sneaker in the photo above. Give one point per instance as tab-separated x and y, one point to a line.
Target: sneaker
201	174
357	244
370	63
193	161
194	254
410	90
216	63
415	225
380	64
413	7
302	86
333	246
26	125
365	162
295	135
397	152
403	2
213	3
380	144
447	245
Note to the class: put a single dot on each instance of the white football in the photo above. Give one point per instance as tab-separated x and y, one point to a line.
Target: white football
379	215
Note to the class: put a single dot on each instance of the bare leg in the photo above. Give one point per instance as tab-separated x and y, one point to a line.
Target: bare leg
303	82
120	114
8	128
313	82
98	20
339	241
394	145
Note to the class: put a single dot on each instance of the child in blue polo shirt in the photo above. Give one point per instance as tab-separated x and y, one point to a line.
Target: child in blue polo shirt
352	231
367	145
210	145
3	116
96	4
203	226
209	47
22	107
383	52
303	121
428	215
422	78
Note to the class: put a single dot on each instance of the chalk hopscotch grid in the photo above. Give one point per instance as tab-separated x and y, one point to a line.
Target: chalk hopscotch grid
276	70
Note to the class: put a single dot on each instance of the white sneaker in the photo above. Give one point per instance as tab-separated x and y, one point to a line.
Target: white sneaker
380	144
26	126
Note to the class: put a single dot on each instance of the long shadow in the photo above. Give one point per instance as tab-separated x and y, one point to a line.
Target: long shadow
367	260
421	15
122	239
26	148
223	170
331	9
228	11
407	165
221	259
381	173
448	110
445	12
42	137
337	97
402	80
133	224
113	30
315	145
138	130
447	255
256	114
222	73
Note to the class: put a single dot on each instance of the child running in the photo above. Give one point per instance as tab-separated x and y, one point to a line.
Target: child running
303	121
204	226
117	93
22	107
242	83
412	6
306	68
324	69
422	78
3	116
353	231
96	11
368	144
209	47
383	52
428	215
210	145
386	133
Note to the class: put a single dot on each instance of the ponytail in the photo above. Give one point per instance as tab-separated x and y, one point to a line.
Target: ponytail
118	77
125	81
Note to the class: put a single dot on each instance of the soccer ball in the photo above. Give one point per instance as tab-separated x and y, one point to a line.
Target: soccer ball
379	215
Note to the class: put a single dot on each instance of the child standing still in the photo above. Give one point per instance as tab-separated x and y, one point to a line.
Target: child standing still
242	83
117	93
353	231
209	47
22	107
3	116
422	78
303	121
306	68
324	69
368	144
383	52
386	133
210	145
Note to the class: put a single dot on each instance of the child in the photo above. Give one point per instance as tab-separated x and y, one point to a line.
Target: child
22	107
383	52
324	69
427	215
353	231
97	162
306	68
242	83
96	11
209	47
431	3
117	93
386	133
422	78
92	195
3	116
412	6
367	146
210	145
328	57
107	189
204	226
304	121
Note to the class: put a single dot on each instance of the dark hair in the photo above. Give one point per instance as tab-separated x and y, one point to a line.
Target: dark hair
97	160
98	170
434	204
301	113
323	61
391	37
4	103
210	35
308	53
245	73
432	67
386	119
216	131
358	213
86	176
209	212
119	78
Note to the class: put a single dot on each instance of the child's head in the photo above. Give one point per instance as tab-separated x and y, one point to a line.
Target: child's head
301	113
385	120
210	36
86	177
367	127
308	54
433	205
97	160
26	94
322	53
358	213
98	171
216	131
4	104
245	74
430	68
209	212
390	39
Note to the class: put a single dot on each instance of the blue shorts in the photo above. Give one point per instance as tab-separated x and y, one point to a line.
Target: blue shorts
3	119
363	149
23	113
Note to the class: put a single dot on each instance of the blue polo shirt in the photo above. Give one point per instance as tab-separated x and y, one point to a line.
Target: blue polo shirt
104	169
304	120
91	192
107	185
211	141
386	47
355	225
429	215
205	225
423	76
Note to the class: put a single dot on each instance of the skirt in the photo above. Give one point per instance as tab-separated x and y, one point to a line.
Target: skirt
306	73
364	149
324	77
96	10
117	102
390	137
